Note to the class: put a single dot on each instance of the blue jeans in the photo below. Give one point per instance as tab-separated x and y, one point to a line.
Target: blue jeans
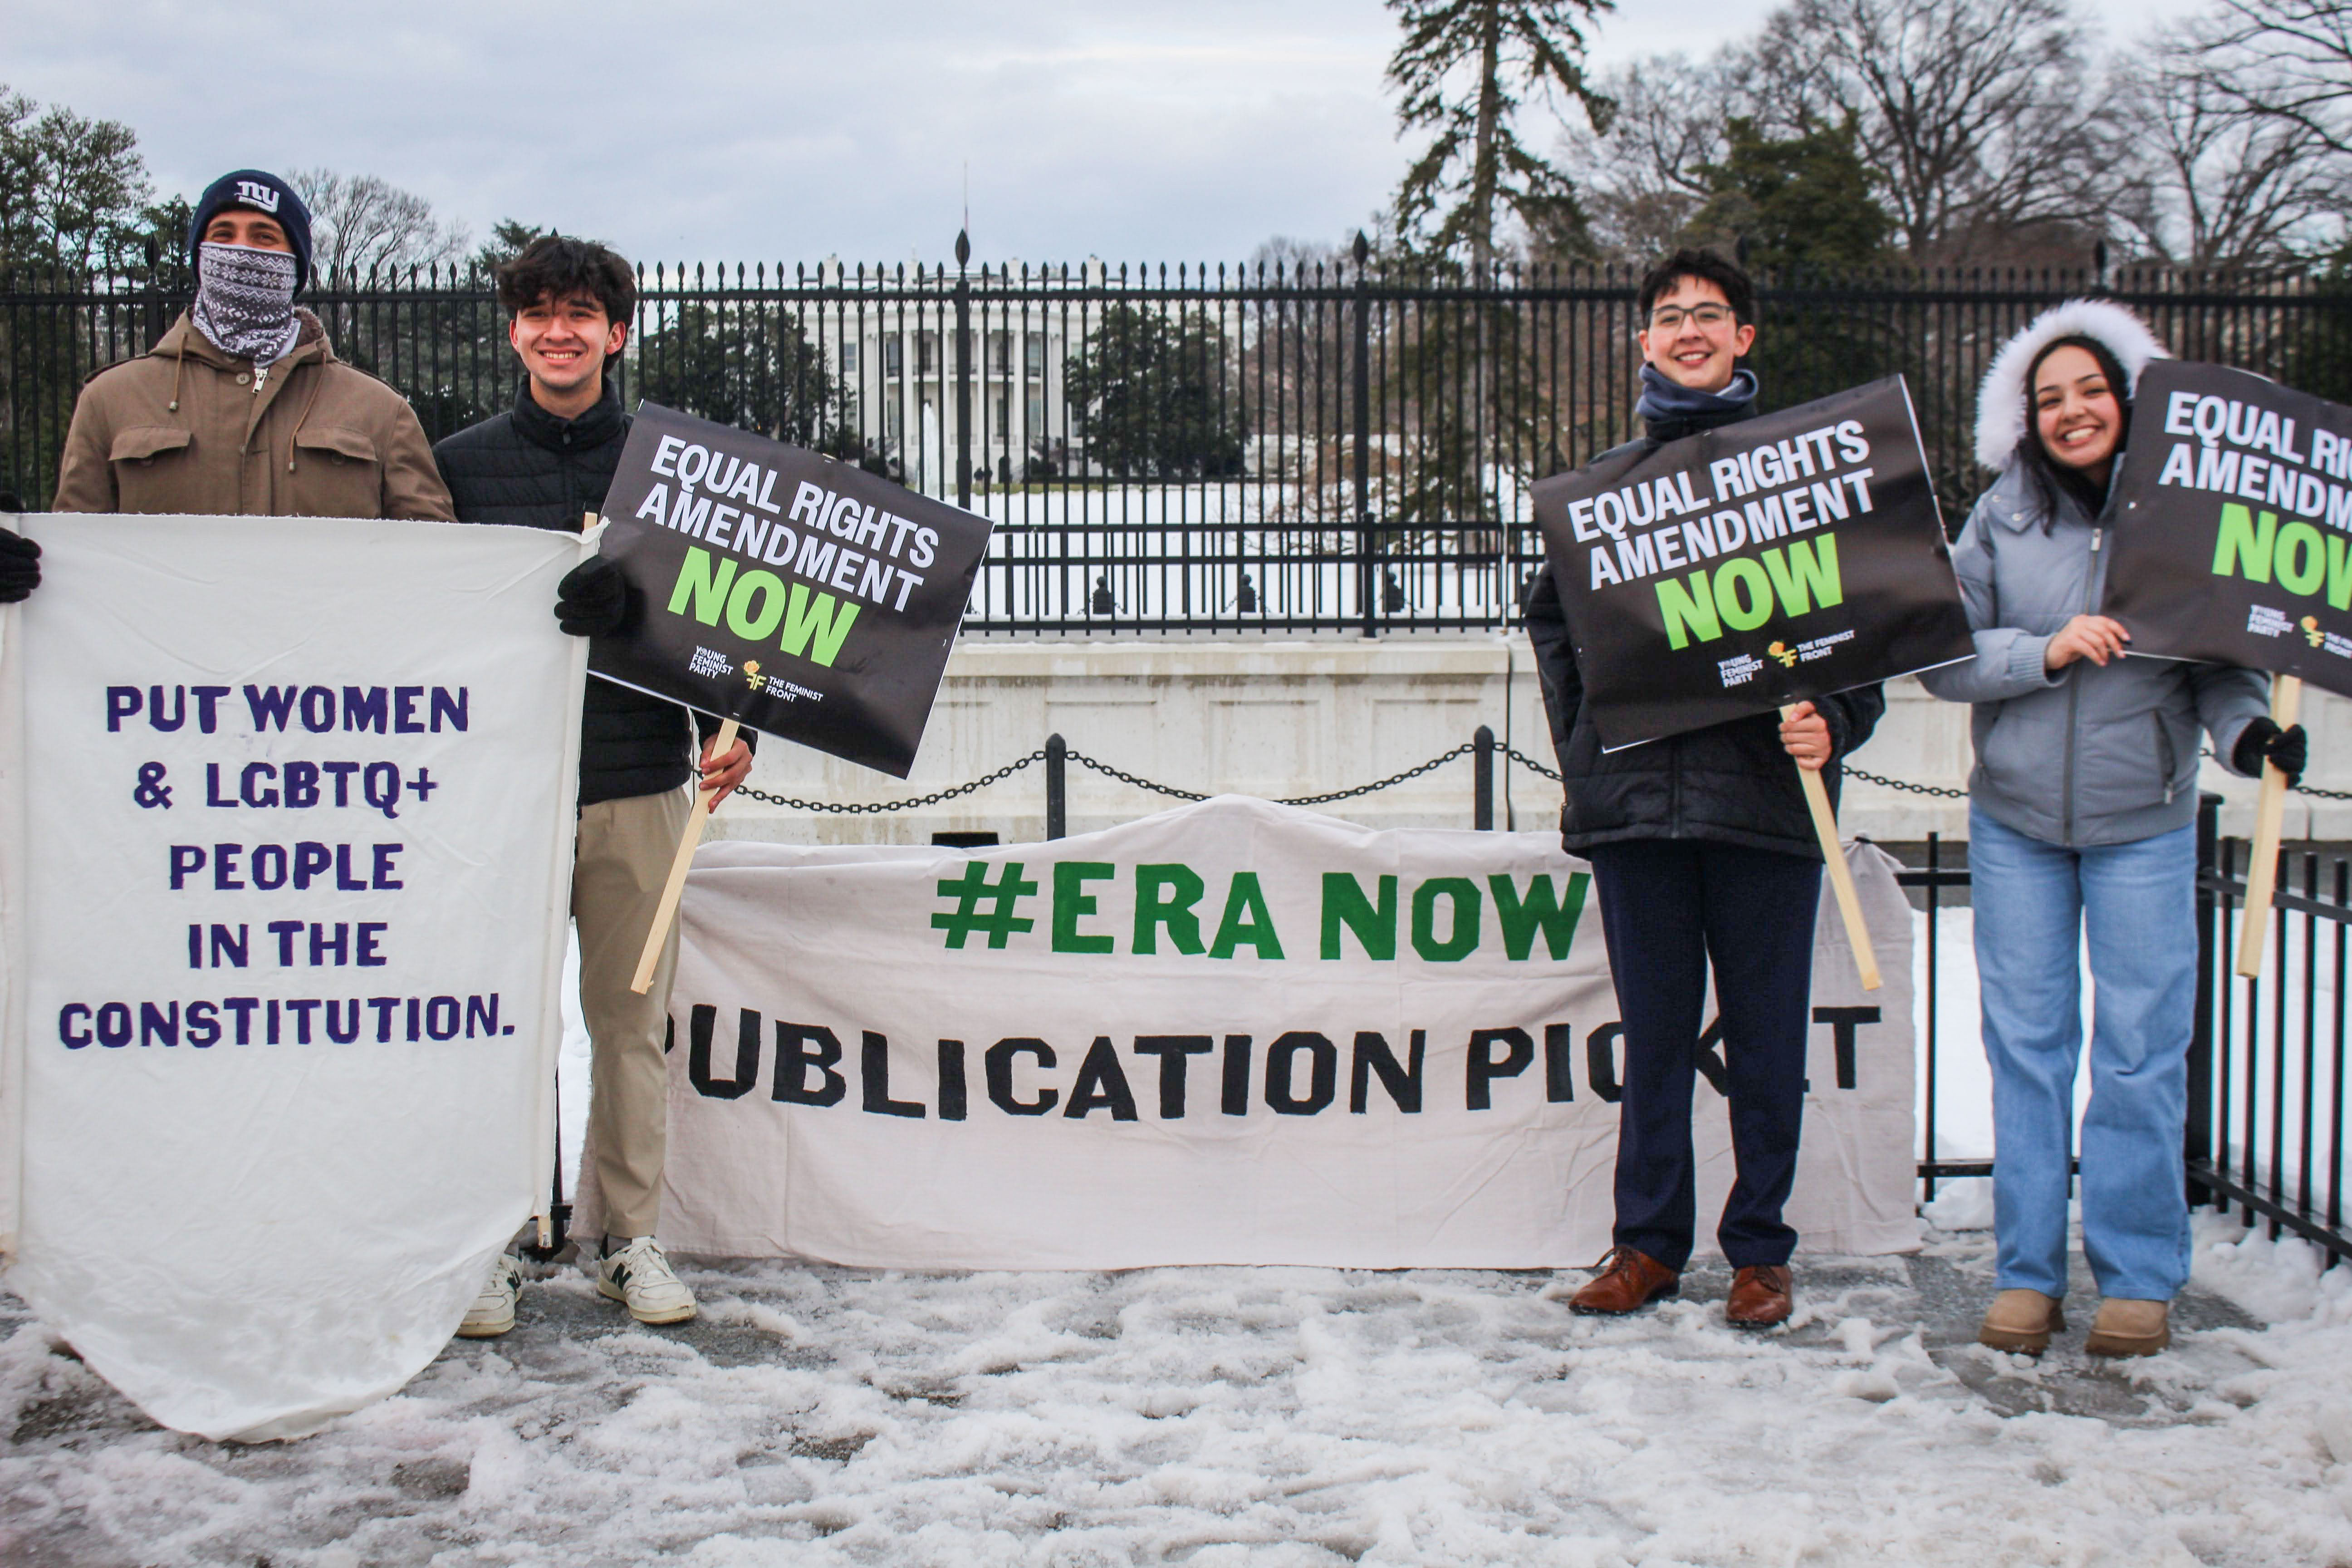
2033	902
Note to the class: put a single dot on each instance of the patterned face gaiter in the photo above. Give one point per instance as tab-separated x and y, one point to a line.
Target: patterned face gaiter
245	302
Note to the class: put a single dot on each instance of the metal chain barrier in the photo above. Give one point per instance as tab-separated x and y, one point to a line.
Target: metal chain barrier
1125	777
2311	789
1525	761
1937	790
863	808
1853	773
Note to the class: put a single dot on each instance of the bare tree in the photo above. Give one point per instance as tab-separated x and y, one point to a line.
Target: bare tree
1645	178
1973	114
2212	182
1292	257
2284	59
359	224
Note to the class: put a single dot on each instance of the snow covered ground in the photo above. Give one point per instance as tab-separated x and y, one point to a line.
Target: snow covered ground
1276	1415
1217	1416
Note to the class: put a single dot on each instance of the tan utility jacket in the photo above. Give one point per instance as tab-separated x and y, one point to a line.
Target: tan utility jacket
185	428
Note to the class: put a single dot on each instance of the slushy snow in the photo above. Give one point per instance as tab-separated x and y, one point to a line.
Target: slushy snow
1278	1416
1267	1415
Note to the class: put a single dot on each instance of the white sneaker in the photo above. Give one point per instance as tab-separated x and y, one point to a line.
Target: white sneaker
639	1278
493	1311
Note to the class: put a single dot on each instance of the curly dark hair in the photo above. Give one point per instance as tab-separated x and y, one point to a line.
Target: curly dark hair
555	267
1707	267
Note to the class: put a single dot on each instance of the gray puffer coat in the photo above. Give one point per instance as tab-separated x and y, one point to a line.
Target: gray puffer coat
2088	755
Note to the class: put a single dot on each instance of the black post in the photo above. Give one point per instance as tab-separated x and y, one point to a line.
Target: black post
154	301
1927	1147
559	1212
1057	787
2196	1138
1481	798
1367	583
963	373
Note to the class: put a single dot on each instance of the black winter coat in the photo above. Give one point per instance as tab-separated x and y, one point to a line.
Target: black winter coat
530	468
1730	783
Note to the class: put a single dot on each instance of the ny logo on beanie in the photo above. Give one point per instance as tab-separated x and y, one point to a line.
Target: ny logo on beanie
253	194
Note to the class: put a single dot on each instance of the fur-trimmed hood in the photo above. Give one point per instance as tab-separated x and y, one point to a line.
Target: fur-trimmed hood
2001	401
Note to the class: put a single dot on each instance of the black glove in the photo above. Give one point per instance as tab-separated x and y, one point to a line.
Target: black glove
2261	740
592	600
20	567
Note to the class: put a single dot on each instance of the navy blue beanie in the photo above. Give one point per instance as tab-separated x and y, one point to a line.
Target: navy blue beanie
262	193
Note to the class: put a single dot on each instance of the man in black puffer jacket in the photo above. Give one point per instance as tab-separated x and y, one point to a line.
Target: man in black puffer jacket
1703	852
546	464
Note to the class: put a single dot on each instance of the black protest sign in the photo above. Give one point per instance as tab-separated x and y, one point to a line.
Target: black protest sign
805	597
1755	565
2234	524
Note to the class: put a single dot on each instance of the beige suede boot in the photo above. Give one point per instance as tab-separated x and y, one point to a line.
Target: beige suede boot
2021	1321
2125	1327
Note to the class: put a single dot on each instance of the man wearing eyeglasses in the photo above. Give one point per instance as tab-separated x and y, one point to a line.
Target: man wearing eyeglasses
1703	855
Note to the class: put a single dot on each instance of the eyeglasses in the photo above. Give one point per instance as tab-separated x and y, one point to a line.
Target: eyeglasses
1668	318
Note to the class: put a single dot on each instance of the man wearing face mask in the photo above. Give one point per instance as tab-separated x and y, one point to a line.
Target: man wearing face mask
242	407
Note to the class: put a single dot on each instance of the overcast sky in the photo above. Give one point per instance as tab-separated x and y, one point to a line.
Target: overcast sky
738	130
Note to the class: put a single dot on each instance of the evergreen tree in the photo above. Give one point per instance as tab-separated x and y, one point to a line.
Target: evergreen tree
509	238
73	190
764	376
1148	396
1464	68
1802	201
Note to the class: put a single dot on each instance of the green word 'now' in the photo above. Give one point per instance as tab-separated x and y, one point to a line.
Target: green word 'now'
1741	592
1173	912
2298	557
756	603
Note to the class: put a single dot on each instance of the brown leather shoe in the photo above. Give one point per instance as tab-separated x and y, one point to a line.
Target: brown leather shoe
1626	1280
1759	1298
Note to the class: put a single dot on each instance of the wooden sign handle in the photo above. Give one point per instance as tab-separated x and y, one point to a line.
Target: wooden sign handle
675	886
2262	876
1849	902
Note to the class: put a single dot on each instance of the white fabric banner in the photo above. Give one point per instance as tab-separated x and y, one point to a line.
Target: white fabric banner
1231	1033
288	848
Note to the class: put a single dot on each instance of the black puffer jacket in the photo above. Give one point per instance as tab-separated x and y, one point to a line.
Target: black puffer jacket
530	468
1731	783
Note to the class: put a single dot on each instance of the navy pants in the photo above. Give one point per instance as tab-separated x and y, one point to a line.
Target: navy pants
1669	908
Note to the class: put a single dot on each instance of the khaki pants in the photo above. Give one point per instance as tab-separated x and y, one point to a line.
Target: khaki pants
621	857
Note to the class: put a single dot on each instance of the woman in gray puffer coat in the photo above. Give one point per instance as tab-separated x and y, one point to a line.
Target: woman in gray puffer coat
2081	813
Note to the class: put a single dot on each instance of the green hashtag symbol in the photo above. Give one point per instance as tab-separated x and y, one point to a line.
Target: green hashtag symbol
970	890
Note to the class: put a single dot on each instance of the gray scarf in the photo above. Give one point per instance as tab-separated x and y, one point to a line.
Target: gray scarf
245	302
1669	403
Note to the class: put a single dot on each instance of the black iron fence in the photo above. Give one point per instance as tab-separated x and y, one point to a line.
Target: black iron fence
1340	445
2266	1071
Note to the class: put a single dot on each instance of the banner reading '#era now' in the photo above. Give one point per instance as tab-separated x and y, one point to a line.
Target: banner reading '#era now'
286	836
1235	1032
